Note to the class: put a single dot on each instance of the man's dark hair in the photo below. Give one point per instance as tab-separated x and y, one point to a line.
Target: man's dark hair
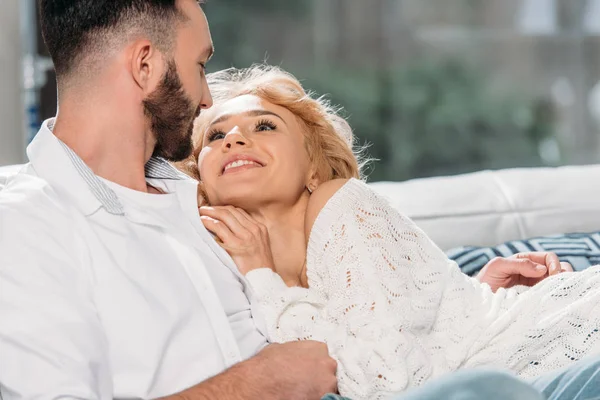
76	29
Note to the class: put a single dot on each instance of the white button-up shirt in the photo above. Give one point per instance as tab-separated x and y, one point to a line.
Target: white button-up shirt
110	293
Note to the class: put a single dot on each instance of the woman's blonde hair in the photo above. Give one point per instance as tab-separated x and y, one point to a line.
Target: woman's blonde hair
328	137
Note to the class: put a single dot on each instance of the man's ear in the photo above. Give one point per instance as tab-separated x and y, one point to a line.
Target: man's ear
146	65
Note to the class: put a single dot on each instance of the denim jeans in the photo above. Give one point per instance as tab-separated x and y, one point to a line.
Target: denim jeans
581	381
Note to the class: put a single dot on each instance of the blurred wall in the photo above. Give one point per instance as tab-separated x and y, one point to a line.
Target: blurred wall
12	141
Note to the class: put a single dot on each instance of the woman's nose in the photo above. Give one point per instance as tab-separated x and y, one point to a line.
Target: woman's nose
233	138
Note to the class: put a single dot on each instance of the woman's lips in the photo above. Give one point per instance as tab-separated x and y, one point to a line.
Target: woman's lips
240	165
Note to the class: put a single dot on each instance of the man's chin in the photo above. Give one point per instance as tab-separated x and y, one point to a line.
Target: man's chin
178	153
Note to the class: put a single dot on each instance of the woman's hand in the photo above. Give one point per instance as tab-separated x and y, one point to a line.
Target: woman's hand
525	269
246	241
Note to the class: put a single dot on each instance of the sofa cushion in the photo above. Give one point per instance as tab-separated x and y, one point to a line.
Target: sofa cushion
490	207
580	249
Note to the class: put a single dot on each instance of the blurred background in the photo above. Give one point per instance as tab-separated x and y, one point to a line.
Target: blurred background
435	87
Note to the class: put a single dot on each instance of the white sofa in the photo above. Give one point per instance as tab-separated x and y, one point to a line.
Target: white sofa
490	207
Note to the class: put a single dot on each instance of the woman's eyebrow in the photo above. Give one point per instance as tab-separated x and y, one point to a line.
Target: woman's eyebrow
251	113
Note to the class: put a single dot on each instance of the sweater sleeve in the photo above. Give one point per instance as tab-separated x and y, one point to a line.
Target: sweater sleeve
376	283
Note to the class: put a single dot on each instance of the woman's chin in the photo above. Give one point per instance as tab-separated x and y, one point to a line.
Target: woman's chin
241	197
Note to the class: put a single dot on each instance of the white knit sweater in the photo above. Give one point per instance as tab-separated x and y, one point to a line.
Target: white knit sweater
395	312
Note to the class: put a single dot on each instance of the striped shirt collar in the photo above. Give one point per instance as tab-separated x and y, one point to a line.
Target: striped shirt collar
156	168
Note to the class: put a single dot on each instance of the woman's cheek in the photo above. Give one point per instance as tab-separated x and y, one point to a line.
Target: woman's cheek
203	164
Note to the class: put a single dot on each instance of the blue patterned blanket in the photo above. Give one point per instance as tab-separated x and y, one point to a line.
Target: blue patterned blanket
579	249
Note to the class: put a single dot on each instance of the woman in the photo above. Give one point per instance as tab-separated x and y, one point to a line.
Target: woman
330	260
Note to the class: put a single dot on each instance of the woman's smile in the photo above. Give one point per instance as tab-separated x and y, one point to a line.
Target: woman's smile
239	166
240	162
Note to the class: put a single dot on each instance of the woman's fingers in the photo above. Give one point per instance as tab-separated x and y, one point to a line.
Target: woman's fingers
553	263
238	220
217	227
243	218
566	267
226	216
250	223
246	241
549	259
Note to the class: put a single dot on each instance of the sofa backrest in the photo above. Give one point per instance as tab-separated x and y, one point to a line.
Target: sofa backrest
491	207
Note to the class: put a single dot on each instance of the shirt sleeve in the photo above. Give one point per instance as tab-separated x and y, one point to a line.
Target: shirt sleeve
52	344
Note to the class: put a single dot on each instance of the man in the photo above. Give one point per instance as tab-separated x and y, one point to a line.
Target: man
110	287
107	288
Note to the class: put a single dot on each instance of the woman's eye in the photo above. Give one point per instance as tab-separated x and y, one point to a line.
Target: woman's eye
265	126
217	135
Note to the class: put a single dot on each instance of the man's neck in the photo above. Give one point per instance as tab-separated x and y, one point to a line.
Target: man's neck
107	138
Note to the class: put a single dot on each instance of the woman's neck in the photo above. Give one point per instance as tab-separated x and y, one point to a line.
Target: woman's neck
288	240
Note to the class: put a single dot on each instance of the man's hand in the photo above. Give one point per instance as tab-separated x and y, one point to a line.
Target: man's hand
301	370
296	370
521	269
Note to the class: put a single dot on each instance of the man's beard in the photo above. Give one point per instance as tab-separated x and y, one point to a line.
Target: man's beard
172	116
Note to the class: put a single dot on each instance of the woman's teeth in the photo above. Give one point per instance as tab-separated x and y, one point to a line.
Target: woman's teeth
239	163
